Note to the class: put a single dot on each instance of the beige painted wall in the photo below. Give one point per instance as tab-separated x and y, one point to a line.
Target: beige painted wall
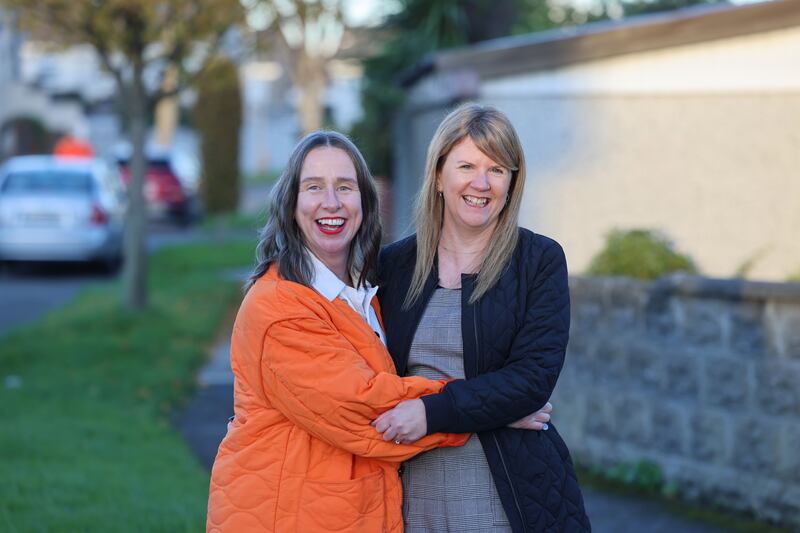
711	157
719	174
763	62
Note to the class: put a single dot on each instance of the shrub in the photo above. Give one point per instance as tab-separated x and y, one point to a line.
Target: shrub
25	135
218	115
642	254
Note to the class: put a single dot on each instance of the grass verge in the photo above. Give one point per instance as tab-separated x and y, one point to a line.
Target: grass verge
261	178
87	393
644	481
242	222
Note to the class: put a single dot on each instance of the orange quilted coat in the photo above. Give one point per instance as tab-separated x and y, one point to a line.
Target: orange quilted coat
301	456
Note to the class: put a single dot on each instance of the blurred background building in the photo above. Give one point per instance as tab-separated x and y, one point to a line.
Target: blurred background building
29	117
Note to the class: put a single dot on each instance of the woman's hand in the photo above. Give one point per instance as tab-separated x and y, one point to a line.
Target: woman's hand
536	421
404	424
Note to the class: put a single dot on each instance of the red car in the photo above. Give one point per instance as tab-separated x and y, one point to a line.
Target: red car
163	191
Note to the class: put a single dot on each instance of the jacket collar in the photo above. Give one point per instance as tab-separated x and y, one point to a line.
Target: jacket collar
330	287
325	281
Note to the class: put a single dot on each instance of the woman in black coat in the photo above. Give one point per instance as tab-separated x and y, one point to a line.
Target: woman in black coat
474	298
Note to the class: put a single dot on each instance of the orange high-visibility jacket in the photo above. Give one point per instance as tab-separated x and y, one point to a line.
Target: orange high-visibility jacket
301	455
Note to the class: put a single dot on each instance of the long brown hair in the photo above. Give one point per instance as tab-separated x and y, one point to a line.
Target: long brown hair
282	241
493	134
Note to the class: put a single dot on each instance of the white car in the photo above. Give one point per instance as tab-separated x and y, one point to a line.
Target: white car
61	209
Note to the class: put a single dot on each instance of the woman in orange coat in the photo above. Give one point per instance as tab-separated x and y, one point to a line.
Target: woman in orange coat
310	365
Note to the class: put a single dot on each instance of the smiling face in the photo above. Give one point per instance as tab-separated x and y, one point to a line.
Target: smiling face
329	206
474	188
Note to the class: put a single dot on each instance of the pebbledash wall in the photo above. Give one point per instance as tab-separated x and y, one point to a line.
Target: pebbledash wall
701	376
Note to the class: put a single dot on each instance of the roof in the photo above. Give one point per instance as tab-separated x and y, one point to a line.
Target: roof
597	40
70	146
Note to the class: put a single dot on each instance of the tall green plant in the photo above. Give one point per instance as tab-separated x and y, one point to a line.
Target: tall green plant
218	116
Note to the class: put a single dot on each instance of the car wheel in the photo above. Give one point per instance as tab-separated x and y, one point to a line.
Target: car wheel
111	265
182	216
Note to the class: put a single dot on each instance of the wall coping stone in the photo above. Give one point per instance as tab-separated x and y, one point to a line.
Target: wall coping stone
700	286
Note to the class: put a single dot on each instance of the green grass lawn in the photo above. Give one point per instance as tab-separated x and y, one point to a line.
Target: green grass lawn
87	394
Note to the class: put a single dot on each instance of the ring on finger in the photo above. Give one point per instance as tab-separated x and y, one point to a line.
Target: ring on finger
397	441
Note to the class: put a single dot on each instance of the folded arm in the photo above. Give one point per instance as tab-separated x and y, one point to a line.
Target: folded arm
525	383
315	377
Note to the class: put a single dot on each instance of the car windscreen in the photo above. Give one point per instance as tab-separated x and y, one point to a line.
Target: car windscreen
47	181
161	165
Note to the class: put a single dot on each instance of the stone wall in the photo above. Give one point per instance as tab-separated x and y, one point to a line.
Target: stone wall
698	375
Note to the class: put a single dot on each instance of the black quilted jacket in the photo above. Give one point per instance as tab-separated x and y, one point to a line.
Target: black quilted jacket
514	340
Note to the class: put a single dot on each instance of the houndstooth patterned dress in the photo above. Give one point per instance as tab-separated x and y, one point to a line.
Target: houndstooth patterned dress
447	489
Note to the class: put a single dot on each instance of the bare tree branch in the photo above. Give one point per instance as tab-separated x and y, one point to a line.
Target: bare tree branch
185	78
316	23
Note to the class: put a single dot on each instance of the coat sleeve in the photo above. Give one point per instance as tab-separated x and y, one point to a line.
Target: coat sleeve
315	377
526	381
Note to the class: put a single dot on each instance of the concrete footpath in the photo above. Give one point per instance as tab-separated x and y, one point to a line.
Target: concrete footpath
203	424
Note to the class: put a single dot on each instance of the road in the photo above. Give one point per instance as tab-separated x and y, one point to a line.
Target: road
28	291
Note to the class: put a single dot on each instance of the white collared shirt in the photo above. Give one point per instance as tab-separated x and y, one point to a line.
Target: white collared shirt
331	287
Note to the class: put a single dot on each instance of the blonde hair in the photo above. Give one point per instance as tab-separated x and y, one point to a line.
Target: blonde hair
493	134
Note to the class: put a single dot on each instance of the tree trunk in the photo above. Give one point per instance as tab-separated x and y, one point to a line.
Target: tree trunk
136	254
311	79
167	110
